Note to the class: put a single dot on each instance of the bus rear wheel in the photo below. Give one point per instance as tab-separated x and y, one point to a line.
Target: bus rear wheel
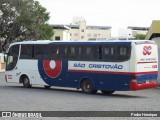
26	82
87	87
105	92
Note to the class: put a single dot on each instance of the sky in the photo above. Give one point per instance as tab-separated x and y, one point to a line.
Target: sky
115	13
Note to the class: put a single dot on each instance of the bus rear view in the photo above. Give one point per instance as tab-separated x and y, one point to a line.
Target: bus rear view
144	65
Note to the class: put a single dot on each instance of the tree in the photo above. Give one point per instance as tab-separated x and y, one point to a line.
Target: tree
23	20
140	36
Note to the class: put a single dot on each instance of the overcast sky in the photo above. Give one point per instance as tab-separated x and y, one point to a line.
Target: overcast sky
114	13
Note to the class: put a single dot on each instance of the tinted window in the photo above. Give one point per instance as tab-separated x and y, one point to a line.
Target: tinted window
62	52
58	51
89	53
38	53
123	53
71	50
26	52
108	53
98	53
54	49
46	50
79	52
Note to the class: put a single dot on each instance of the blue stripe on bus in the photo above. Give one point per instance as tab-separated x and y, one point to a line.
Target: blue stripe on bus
117	82
72	79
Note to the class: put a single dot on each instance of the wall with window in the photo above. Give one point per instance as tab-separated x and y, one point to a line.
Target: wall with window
66	35
74	34
60	35
98	33
89	34
82	31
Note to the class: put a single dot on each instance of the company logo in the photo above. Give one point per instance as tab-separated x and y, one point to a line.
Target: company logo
147	50
6	114
116	66
9	76
52	67
106	66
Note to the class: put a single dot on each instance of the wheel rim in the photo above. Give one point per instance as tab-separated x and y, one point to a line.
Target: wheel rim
87	87
26	81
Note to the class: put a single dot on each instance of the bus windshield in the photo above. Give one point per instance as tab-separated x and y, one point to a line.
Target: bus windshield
12	57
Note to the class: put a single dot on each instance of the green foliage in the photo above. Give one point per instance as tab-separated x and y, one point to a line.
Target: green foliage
23	20
140	36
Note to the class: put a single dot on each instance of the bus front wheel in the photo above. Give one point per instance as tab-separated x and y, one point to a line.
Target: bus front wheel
26	82
105	92
87	87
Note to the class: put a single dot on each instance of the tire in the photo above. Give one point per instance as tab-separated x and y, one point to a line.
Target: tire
47	86
105	92
26	82
87	87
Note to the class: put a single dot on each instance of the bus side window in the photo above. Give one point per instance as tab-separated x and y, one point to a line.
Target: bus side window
105	52
89	53
112	52
54	49
62	51
108	53
38	52
46	49
26	52
98	53
123	53
71	50
79	52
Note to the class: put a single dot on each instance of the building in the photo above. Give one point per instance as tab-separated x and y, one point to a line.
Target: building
154	34
138	30
124	33
61	32
154	31
79	31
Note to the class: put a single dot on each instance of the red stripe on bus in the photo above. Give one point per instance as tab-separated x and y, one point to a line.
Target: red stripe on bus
108	72
146	62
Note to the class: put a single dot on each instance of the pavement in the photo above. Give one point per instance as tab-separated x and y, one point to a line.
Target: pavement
14	97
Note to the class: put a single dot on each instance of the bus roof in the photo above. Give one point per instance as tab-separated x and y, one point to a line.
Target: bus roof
85	42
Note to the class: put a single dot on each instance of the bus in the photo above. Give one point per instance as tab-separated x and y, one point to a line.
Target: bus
108	66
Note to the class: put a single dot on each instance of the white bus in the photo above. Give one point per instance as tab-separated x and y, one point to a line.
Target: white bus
108	66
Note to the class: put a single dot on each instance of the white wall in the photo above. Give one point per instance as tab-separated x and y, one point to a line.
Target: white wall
63	34
2	64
